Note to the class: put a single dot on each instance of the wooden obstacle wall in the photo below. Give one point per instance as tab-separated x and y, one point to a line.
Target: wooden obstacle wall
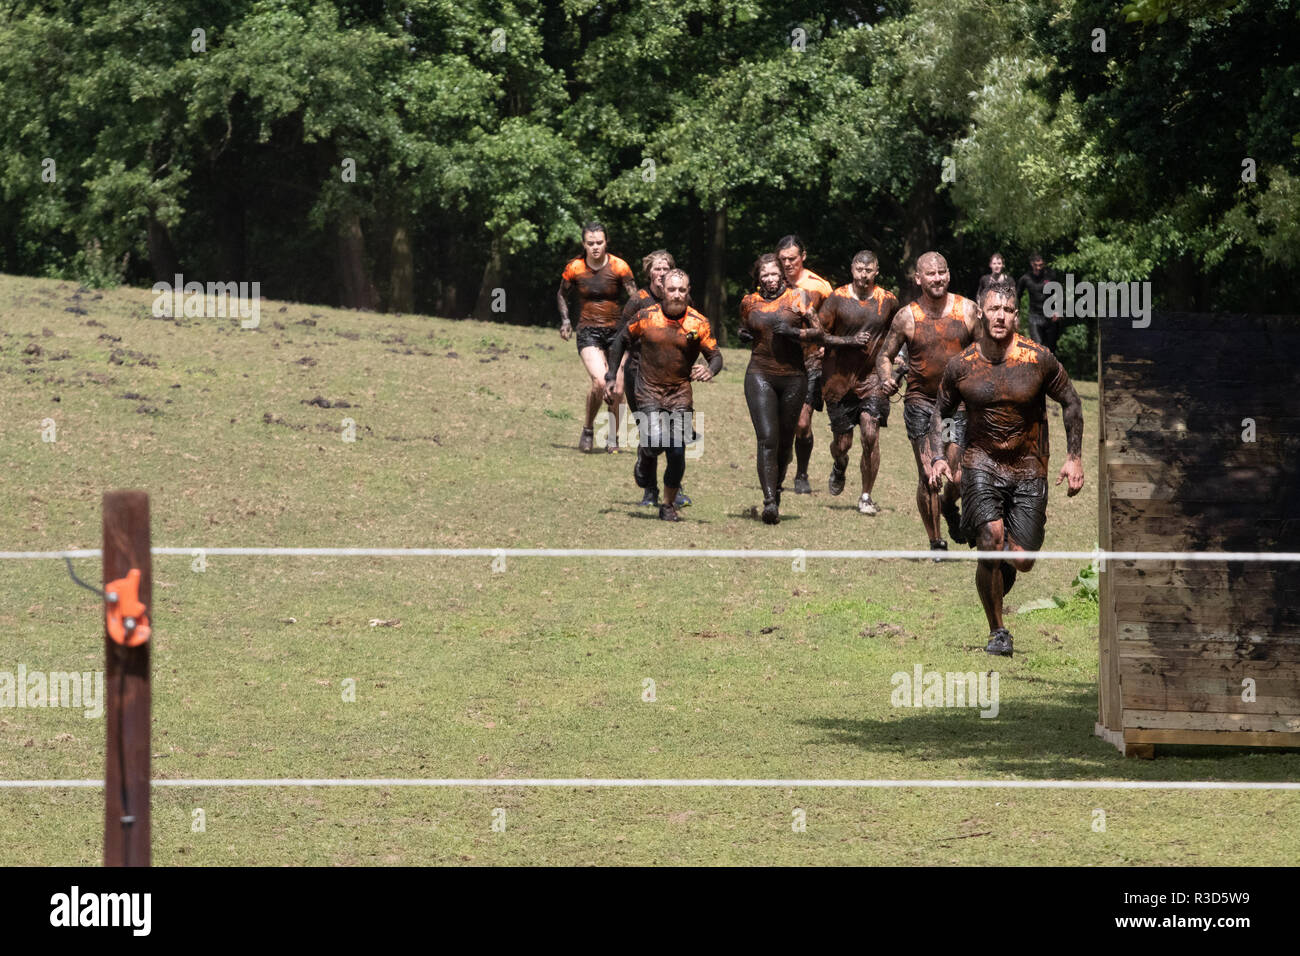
1179	639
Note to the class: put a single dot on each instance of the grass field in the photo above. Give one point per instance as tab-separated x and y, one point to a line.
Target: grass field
465	437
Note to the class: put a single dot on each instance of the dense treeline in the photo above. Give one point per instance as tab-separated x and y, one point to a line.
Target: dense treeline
420	155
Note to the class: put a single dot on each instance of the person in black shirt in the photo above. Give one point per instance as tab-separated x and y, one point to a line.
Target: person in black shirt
1045	329
995	274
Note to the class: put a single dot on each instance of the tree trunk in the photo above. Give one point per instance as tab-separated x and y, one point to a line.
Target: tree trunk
162	254
401	277
356	289
918	226
492	289
715	290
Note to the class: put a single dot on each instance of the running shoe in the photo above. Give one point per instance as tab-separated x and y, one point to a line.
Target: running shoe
771	513
836	483
801	485
651	498
999	643
866	506
939	545
585	440
682	499
668	513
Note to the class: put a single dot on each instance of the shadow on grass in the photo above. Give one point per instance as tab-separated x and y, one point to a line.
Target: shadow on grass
754	513
1041	740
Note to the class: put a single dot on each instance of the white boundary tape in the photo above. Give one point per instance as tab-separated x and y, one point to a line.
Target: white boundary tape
582	782
785	554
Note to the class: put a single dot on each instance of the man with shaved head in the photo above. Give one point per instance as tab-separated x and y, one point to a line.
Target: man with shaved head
935	327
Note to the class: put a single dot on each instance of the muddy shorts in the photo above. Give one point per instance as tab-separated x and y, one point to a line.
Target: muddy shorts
596	336
1021	505
916	416
846	414
659	429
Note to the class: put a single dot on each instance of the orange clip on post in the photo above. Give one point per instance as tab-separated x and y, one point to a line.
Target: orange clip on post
127	622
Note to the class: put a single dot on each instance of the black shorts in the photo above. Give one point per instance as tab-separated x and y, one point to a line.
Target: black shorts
916	416
814	395
597	336
659	429
846	414
1021	504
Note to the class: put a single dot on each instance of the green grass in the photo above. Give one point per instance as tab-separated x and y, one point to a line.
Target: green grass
466	436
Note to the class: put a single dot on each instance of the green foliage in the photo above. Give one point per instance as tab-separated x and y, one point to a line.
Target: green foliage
482	134
1027	171
1087	583
1076	348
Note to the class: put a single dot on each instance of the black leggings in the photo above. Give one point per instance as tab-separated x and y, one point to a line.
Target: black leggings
774	405
647	464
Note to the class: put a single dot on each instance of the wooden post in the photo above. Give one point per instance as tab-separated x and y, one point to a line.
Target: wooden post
126	685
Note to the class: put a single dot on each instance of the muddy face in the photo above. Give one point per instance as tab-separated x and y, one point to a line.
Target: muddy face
770	279
660	269
932	275
594	243
791	263
864	275
1000	319
677	289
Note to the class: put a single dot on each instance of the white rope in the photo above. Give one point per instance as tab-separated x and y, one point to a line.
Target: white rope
784	554
581	782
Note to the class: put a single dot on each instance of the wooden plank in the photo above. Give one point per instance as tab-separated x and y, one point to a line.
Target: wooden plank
1175	701
1215	522
1252	577
1181	720
126	714
1213	738
1210	614
1125	539
1131	629
1207	675
1124	567
1218	688
1173	650
1141	594
1156	470
1194	418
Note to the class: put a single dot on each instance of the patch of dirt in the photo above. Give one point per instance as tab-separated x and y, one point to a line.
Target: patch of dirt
885	629
321	402
433	438
119	357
